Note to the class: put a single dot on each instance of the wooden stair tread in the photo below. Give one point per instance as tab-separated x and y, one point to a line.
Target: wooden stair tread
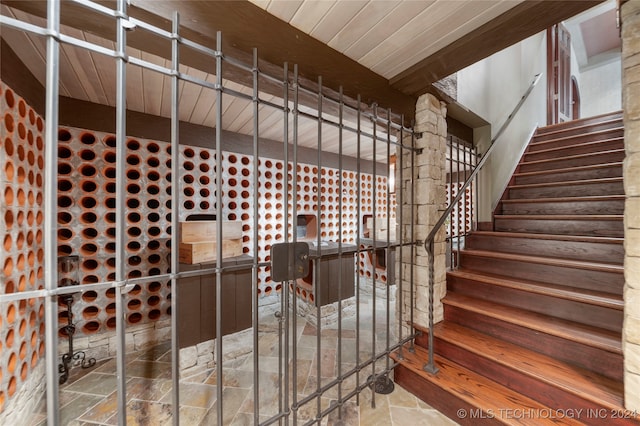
562	217
579	381
574	238
571	157
568	330
606	118
565	199
607	300
475	389
569	169
578	136
568	183
552	261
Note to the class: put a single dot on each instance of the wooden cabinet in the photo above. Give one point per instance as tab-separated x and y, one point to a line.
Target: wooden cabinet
197	301
331	275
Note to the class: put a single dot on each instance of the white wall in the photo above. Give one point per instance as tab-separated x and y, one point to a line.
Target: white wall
492	88
601	88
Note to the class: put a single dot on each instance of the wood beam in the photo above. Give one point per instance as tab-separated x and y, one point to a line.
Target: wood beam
522	21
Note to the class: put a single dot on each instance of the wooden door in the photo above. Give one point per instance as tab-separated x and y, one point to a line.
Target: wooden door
559	104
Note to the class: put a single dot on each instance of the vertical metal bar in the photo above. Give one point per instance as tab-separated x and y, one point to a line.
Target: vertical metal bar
294	203
175	203
50	210
464	196
285	291
386	251
400	210
358	242
218	133
121	128
340	215
430	366
256	247
412	235
457	208
451	196
317	273
373	256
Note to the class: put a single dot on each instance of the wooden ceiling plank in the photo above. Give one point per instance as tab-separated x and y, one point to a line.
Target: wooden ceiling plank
135	87
204	103
374	11
105	67
284	10
431	46
19	40
151	81
518	23
436	15
310	14
385	27
82	62
336	19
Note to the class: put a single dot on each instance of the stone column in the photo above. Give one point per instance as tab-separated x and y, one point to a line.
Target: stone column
630	16
427	181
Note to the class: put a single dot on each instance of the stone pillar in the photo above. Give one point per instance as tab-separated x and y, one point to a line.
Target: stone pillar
427	181
630	16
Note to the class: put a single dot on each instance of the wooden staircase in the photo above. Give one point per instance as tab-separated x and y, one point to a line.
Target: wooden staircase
533	315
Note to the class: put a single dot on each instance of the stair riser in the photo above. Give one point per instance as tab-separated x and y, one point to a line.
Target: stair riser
440	399
565	207
577	250
594	359
549	395
610	319
599	173
560	141
583	126
610	282
561	163
594	228
569	190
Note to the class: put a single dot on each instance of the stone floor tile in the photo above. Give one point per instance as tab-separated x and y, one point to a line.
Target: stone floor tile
233	398
94	383
149	369
194	395
148	389
147	413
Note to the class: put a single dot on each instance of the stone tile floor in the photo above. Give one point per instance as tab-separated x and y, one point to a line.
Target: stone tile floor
90	398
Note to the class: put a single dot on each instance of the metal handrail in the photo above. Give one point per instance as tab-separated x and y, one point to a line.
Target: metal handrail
429	241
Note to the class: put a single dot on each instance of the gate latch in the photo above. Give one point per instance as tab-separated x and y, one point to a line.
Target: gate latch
289	261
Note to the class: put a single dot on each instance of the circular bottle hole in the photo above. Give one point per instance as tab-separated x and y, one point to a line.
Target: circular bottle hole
135	317
110	141
153	204
87	155
89	296
133	144
188	152
153	176
88	202
133	159
154	314
133	203
87	138
88	170
88	186
109	157
91	327
88	218
133	174
153	147
90	312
